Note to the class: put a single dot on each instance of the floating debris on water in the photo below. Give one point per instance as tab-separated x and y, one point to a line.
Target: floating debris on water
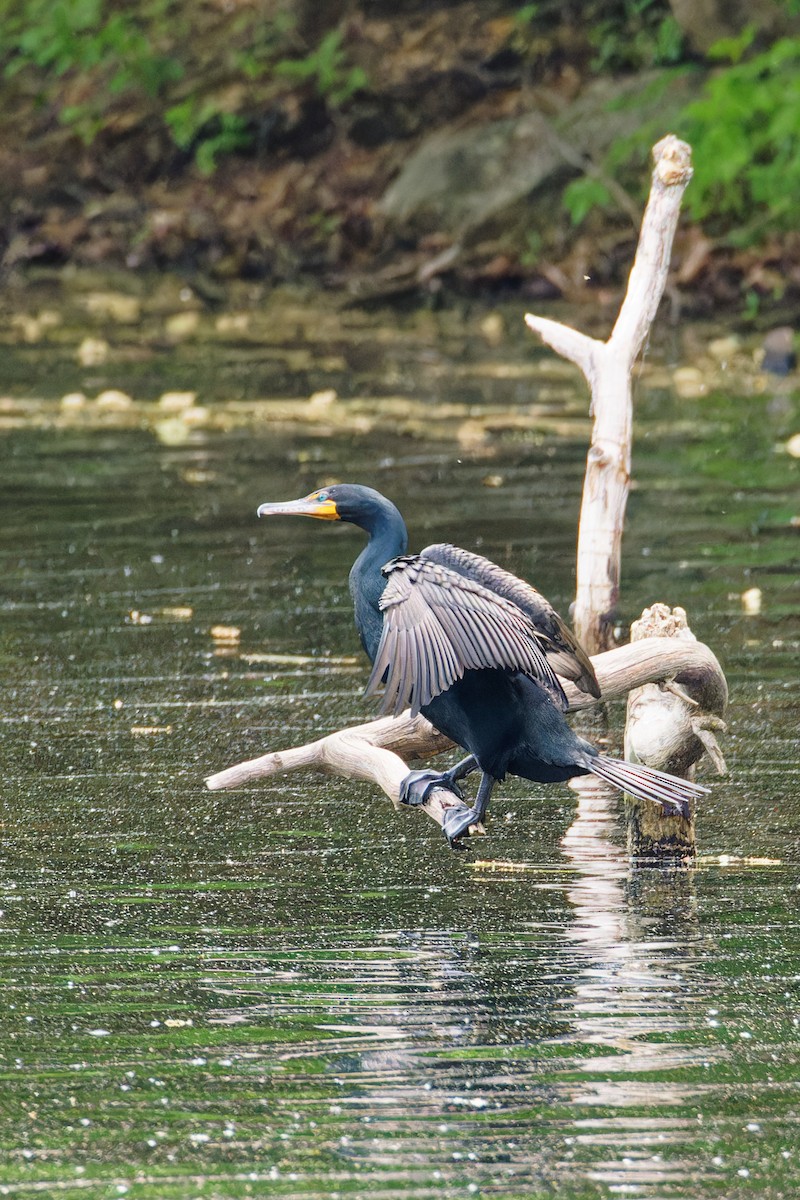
225	633
751	602
92	352
301	660
736	860
114	400
177	401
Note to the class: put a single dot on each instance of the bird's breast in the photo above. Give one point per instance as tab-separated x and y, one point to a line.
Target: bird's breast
482	712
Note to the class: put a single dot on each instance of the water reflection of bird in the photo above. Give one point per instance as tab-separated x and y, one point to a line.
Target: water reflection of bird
476	651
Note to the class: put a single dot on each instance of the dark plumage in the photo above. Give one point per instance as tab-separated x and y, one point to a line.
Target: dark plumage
476	651
439	624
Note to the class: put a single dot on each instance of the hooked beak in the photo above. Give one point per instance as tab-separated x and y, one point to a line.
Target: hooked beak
309	506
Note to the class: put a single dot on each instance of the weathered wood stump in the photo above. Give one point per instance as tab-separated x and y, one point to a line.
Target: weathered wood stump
670	725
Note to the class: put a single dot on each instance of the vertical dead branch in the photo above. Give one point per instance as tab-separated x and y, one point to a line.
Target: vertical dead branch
607	367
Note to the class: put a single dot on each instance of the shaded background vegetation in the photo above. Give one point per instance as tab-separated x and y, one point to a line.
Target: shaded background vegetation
259	140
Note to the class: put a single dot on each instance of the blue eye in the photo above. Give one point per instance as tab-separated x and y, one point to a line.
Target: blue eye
323	496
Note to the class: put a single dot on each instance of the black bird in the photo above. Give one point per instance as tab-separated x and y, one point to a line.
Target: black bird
476	651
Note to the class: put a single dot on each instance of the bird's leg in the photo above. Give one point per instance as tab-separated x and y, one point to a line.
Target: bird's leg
462	769
416	786
457	821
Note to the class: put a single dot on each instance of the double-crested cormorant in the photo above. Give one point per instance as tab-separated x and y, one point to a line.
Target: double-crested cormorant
476	651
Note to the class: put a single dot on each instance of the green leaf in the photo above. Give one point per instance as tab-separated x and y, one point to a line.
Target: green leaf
583	195
733	48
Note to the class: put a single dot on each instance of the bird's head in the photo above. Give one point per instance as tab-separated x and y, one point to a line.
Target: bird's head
340	502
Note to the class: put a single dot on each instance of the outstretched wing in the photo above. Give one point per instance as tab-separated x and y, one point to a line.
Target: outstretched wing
564	653
437	624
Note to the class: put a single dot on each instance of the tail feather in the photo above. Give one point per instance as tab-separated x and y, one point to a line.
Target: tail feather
645	783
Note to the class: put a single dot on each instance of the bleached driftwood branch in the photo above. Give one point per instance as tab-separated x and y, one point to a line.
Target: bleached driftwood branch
608	369
372	751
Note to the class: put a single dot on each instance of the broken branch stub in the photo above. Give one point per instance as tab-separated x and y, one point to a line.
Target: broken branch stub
607	367
670	726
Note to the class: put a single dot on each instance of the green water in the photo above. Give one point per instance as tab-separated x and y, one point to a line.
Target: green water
293	991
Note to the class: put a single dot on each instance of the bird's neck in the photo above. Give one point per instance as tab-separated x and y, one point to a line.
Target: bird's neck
387	538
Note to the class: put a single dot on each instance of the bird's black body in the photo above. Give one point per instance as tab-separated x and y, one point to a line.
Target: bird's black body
475	650
511	726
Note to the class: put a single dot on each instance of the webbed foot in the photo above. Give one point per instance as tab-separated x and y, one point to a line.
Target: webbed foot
417	786
457	822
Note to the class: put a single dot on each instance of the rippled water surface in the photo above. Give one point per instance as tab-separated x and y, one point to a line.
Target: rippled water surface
293	991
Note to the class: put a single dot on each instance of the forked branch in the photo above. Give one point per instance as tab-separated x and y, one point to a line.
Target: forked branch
608	367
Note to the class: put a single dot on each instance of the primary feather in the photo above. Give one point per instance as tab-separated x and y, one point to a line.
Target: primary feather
438	623
565	654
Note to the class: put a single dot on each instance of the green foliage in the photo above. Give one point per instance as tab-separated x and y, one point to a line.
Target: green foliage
633	34
327	69
77	35
260	44
118	51
745	133
82	37
201	125
583	195
752	305
534	244
526	14
623	35
745	137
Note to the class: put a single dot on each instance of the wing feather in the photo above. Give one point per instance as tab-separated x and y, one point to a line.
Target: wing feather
566	655
437	624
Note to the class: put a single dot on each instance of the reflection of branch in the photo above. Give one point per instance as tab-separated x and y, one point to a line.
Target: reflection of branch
601	865
372	751
607	367
624	965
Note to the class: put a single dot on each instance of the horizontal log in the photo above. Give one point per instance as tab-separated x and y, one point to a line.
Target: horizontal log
373	751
